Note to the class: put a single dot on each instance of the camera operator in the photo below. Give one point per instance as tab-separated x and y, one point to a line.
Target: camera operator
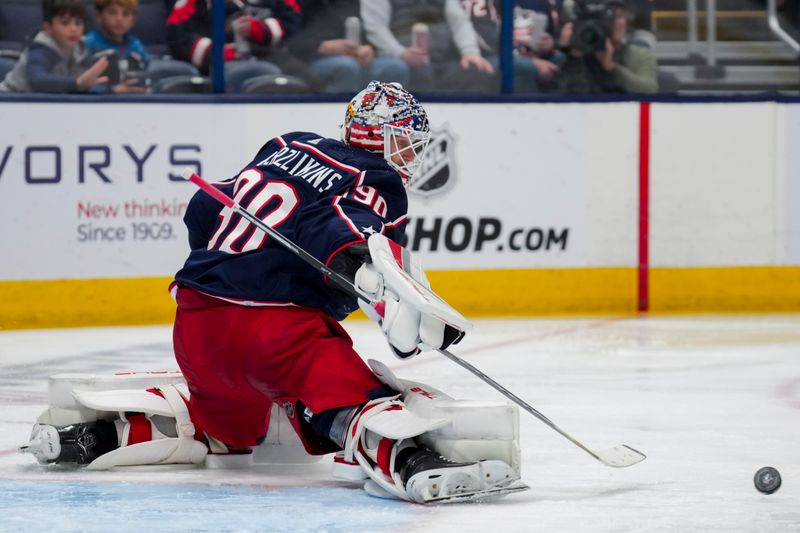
599	57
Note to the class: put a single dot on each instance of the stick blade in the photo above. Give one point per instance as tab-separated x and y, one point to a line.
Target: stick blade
620	456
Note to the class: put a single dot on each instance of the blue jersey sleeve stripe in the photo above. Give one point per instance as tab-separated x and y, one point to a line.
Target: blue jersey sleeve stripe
360	178
339	249
344	217
397	222
326	157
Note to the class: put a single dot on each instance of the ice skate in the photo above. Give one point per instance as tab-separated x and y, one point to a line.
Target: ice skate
77	443
430	478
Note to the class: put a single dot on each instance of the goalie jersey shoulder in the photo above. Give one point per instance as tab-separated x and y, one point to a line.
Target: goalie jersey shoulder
320	193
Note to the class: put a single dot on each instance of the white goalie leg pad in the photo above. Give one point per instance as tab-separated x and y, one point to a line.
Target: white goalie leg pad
281	446
63	409
181	449
126	392
381	429
478	431
79	398
475	431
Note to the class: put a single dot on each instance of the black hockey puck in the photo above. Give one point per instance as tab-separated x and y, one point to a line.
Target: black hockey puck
767	480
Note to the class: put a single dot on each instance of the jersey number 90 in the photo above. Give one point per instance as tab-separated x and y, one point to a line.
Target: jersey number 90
274	202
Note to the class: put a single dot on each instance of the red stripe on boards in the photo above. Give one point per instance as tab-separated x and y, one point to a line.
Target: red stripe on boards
644	207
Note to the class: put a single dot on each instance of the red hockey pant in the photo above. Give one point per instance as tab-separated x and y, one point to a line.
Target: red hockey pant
238	360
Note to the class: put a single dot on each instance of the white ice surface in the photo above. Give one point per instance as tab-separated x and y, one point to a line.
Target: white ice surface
708	399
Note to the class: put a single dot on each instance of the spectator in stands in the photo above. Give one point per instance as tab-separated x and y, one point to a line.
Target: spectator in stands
127	56
451	58
254	30
640	23
56	61
618	67
339	62
536	58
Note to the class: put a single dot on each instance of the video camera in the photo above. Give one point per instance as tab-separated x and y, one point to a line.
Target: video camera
593	24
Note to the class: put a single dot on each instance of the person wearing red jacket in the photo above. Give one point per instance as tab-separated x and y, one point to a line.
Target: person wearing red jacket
254	29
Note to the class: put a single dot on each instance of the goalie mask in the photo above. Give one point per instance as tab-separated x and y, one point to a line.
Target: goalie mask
387	120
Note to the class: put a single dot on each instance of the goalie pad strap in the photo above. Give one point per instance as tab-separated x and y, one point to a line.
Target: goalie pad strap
183	424
169	450
357	426
382	474
65	407
384	455
122	401
382	428
137	430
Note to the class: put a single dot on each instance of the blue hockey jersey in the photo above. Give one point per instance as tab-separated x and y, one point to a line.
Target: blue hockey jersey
321	194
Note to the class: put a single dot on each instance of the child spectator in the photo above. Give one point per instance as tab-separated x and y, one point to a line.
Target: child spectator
127	55
56	61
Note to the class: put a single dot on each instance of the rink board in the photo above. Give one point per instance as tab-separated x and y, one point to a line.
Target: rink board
522	209
124	301
484	293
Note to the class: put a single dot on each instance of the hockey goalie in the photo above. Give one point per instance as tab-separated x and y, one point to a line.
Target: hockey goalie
258	340
408	441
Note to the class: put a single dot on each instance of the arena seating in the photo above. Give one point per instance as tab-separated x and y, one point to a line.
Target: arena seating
20	20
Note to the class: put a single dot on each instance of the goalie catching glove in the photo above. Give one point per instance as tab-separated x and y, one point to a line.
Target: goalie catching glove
410	314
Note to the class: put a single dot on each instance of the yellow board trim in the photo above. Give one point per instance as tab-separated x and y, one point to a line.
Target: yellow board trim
85	302
725	289
476	293
537	292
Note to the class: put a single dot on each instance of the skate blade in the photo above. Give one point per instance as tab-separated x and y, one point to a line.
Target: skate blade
480	495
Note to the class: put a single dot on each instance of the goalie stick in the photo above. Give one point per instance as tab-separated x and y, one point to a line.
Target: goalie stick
619	456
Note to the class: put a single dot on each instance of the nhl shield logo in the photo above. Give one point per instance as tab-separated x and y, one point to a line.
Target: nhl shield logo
438	170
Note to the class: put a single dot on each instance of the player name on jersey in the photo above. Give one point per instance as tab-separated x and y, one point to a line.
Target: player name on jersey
300	164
